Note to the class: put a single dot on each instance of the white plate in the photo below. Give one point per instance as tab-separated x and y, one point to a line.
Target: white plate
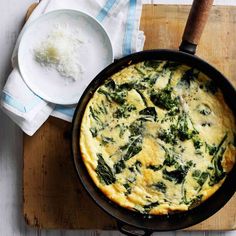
95	54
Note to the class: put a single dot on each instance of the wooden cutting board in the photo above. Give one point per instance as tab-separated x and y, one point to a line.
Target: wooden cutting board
52	194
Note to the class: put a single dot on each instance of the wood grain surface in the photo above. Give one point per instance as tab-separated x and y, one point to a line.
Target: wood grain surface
52	194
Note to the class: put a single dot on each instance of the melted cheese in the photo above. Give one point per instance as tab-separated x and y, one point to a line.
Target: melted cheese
158	137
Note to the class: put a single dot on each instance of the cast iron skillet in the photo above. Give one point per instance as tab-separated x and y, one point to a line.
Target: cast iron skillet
147	223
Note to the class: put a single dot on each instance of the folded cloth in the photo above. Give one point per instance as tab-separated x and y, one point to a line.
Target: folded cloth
120	18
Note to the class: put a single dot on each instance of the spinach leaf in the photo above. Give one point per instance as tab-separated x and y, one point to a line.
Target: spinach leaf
168	136
106	140
150	206
163	98
132	85
122	128
154	167
127	86
94	132
196	173
133	148
170	160
218	172
159	186
148	114
136	128
190	164
197	143
95	116
110	84
150	80
124	111
128	189
140	69
200	177
118	96
171	115
103	108
195	202
135	169
176	175
173	112
138	165
203	177
171	65
211	148
219	146
184	131
104	172
119	166
189	76
170	157
153	63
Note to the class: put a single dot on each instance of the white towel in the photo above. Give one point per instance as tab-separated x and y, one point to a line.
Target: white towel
120	18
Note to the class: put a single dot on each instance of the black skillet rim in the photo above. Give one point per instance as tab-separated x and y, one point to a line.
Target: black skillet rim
155	223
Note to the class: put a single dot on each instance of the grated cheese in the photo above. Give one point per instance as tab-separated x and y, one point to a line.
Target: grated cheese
60	50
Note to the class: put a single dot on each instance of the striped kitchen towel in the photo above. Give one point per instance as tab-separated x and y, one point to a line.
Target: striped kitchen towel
120	18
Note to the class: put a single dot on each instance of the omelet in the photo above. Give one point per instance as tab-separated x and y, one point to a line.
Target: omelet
157	137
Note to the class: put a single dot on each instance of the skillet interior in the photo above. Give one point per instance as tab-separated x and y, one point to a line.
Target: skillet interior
147	222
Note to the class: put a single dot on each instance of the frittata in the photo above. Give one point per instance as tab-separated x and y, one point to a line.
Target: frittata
157	137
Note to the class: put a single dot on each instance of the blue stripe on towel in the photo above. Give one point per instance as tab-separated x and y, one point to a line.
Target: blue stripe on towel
17	105
104	11
127	44
68	111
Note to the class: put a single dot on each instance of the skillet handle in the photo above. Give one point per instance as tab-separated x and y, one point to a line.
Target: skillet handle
131	231
195	24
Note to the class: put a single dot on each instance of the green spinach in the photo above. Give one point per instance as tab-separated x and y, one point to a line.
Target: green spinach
124	111
94	132
128	189
164	99
150	206
104	172
133	148
119	166
211	148
168	136
153	64
155	167
189	76
176	175
184	131
195	202
200	177
159	186
106	140
218	172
